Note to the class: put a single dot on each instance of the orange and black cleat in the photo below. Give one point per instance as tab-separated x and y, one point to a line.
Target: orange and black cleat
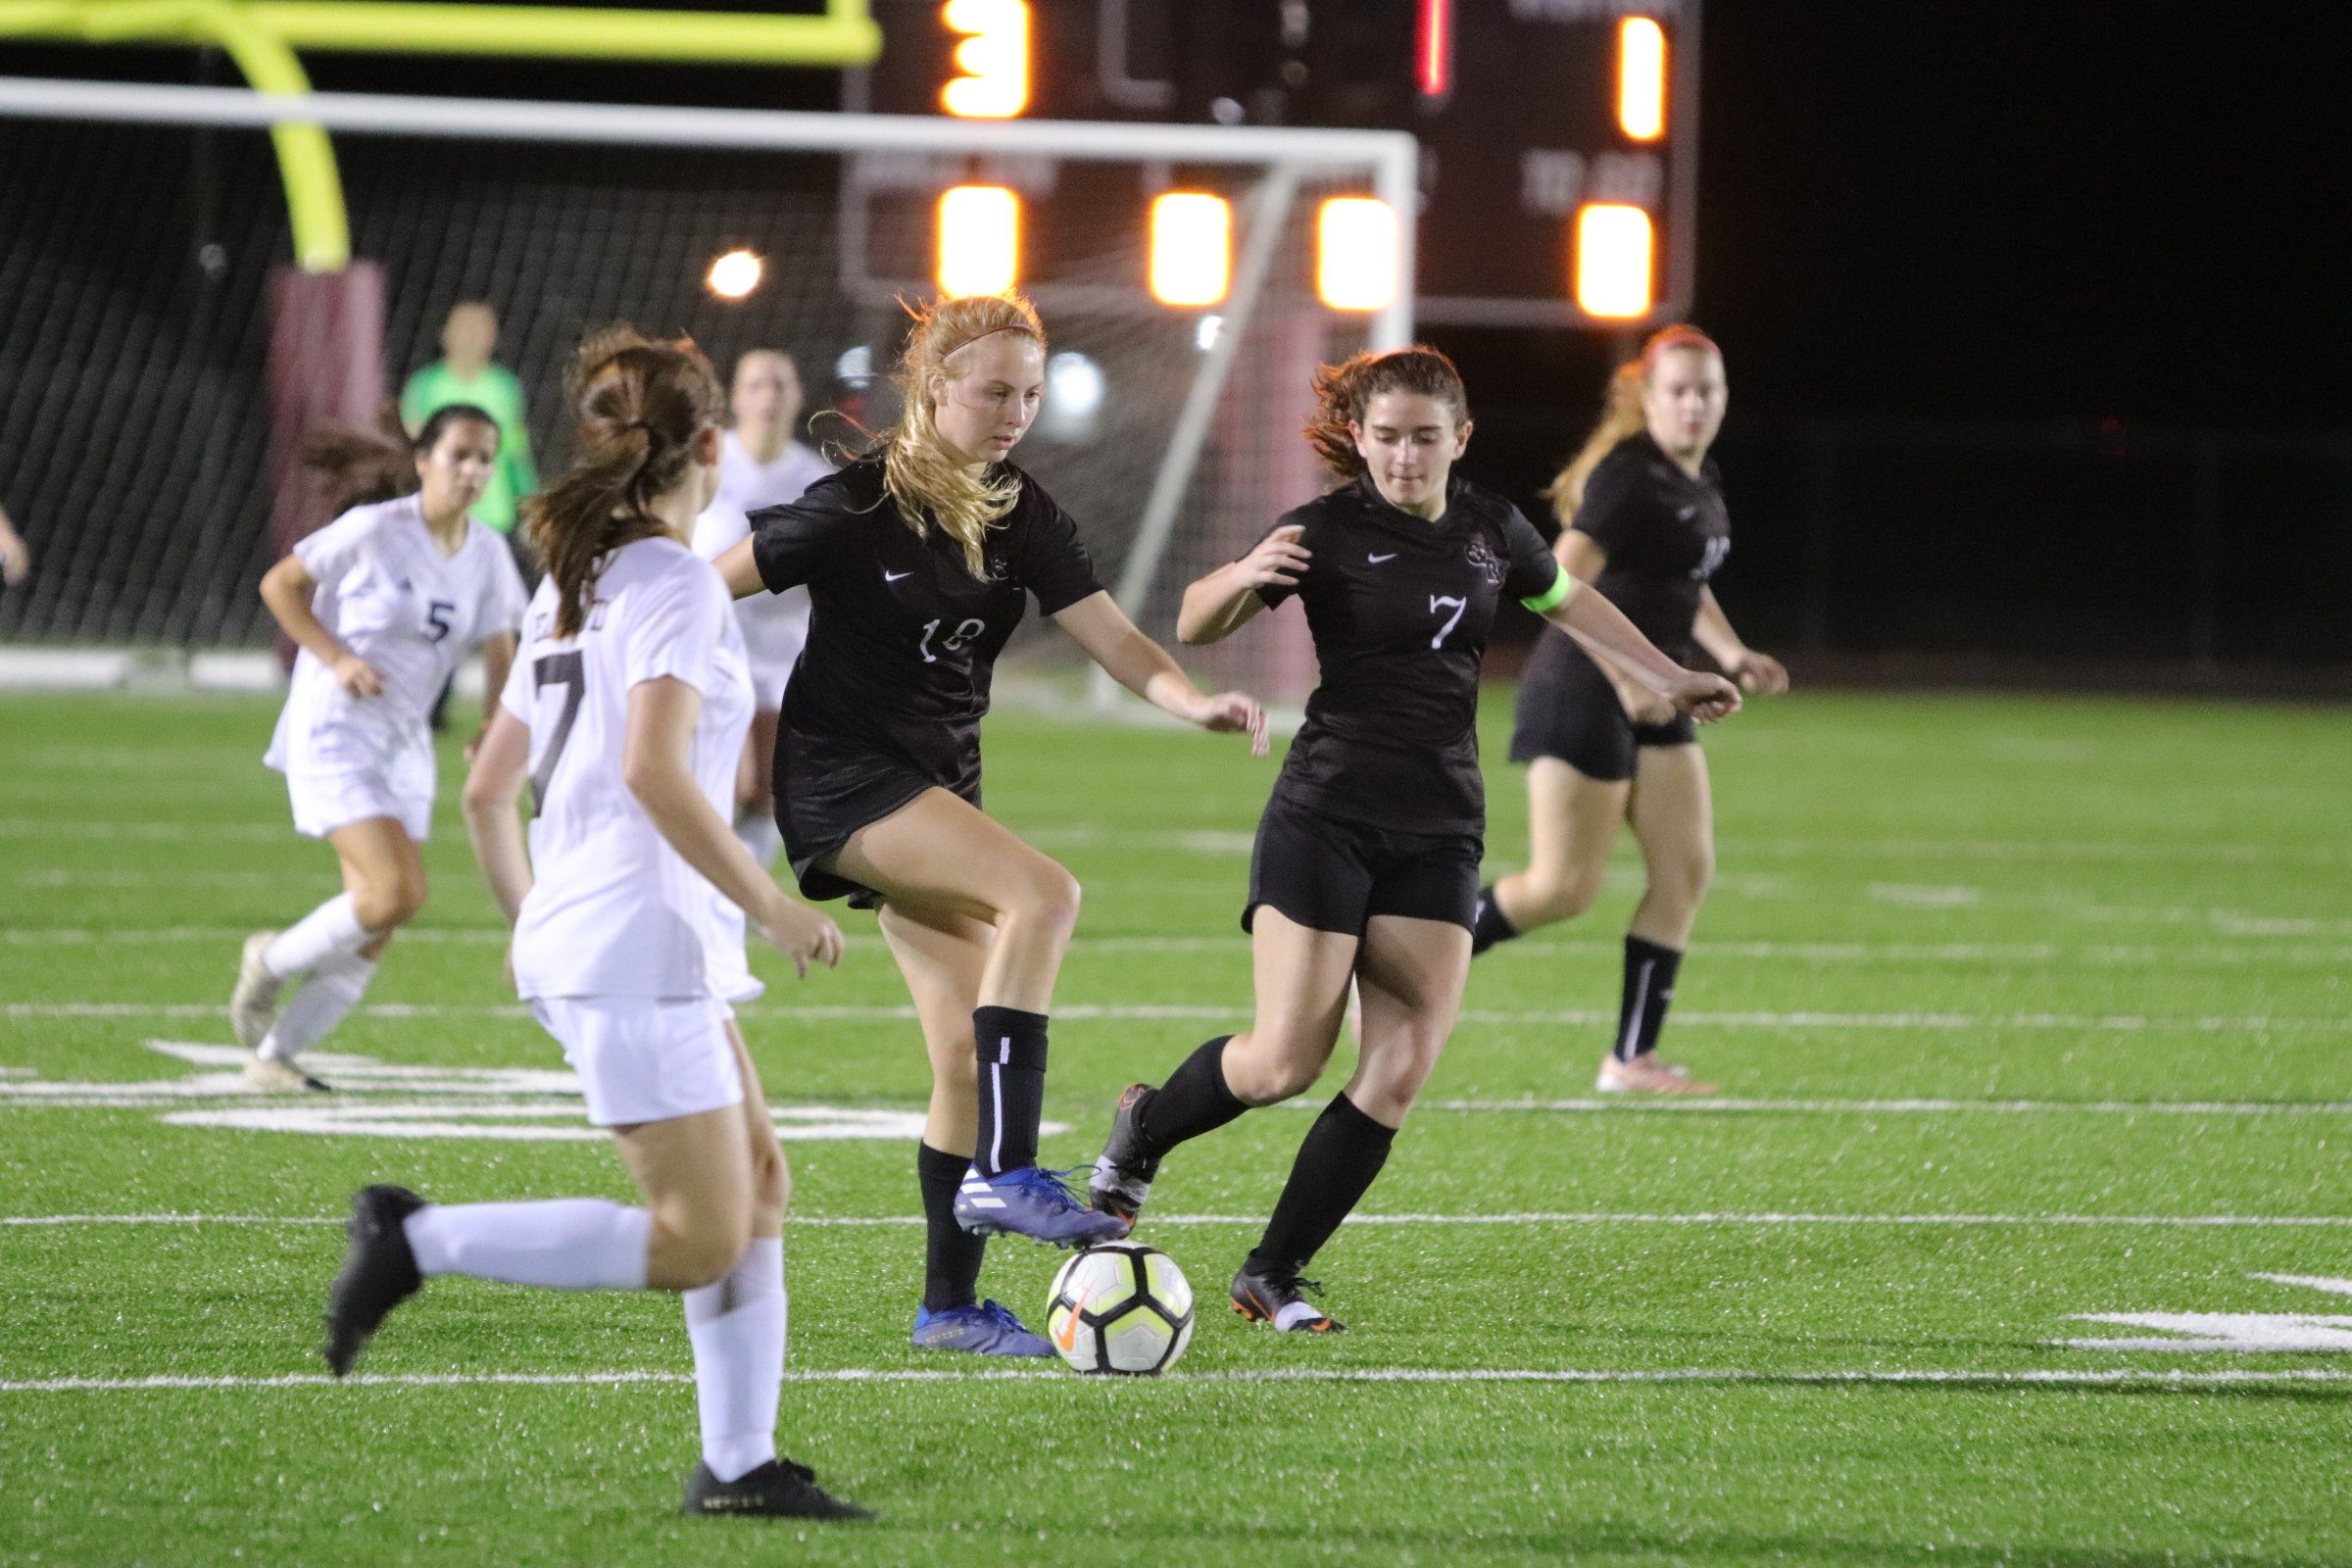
1275	1299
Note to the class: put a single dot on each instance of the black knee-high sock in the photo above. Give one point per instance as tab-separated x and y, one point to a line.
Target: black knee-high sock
1195	1099
1343	1153
951	1255
1649	971
1489	927
1011	1045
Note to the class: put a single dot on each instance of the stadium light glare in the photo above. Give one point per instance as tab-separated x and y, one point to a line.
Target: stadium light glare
1641	78
734	274
1356	252
1433	48
994	59
1192	248
979	240
1615	245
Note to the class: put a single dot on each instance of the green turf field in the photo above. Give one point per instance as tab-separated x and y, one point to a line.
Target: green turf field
2025	1009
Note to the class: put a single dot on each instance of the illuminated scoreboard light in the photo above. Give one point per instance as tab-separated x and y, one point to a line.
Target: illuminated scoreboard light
1559	144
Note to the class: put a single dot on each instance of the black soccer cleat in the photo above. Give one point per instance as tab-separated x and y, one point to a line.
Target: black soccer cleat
776	1489
1124	1173
1265	1296
379	1272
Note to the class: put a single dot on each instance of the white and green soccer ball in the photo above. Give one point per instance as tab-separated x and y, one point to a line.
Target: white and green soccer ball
1124	1307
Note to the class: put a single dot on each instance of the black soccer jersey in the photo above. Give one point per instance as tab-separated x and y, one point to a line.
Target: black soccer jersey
1666	533
902	638
1400	608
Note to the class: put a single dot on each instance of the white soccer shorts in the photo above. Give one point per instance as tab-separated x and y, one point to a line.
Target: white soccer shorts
642	1060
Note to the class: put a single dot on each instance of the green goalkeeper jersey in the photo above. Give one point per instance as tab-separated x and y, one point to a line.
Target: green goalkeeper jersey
496	393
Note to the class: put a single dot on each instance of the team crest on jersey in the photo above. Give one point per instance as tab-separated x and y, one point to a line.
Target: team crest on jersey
1486	563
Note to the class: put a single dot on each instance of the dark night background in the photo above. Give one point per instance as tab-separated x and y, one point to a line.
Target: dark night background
2037	318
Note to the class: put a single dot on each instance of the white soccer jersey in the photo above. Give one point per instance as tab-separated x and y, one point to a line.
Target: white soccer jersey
776	627
390	596
751	484
614	911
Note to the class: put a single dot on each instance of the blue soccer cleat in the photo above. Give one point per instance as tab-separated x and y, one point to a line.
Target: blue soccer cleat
1035	1203
988	1328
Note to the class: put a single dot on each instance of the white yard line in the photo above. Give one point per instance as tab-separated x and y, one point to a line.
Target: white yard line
2103	954
1236	840
2103	1377
1728	1219
1697	1104
2078	1022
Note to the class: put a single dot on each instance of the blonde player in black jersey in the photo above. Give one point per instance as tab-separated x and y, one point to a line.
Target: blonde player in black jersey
627	710
1366	861
1645	522
920	559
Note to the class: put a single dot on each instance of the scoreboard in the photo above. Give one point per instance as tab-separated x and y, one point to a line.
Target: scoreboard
1559	138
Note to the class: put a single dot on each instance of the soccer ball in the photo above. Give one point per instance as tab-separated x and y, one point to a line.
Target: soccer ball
1124	1307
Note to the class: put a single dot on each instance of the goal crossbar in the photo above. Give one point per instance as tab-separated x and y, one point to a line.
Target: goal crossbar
1390	159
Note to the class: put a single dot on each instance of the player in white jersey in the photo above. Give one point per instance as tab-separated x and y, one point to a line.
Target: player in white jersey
627	710
382	602
761	465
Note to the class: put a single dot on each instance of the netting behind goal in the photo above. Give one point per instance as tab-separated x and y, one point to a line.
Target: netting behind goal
136	373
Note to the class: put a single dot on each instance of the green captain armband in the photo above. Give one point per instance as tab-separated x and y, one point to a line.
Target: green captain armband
1549	599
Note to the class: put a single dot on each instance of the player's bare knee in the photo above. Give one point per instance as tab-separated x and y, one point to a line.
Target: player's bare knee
1684	878
771	1185
1046	896
690	1252
386	905
1277	1067
1562	894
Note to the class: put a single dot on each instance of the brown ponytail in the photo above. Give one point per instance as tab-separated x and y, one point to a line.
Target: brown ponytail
366	466
640	405
1343	391
1621	415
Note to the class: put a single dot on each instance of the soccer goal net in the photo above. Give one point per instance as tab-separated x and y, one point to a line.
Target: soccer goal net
144	303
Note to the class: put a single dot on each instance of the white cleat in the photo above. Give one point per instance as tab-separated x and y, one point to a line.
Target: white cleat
1646	1074
270	1076
252	1006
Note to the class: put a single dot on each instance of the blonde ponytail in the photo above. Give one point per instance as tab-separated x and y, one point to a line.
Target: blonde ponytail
1621	415
931	484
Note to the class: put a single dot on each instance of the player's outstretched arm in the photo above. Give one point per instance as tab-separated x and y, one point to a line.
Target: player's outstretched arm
493	786
1220	603
1099	627
739	572
1754	671
287	589
16	562
654	765
1588	617
498	663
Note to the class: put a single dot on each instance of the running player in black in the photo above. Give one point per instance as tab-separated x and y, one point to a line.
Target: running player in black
920	559
1646	526
1366	863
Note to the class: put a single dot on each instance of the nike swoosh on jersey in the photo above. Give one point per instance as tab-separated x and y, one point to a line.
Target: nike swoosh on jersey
1377	559
893	576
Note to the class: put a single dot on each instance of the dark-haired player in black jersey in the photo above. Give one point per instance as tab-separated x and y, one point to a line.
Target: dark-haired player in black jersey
1645	525
920	559
1366	863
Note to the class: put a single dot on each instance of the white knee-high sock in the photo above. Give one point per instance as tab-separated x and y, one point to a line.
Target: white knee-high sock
325	998
760	834
572	1243
330	931
737	1326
